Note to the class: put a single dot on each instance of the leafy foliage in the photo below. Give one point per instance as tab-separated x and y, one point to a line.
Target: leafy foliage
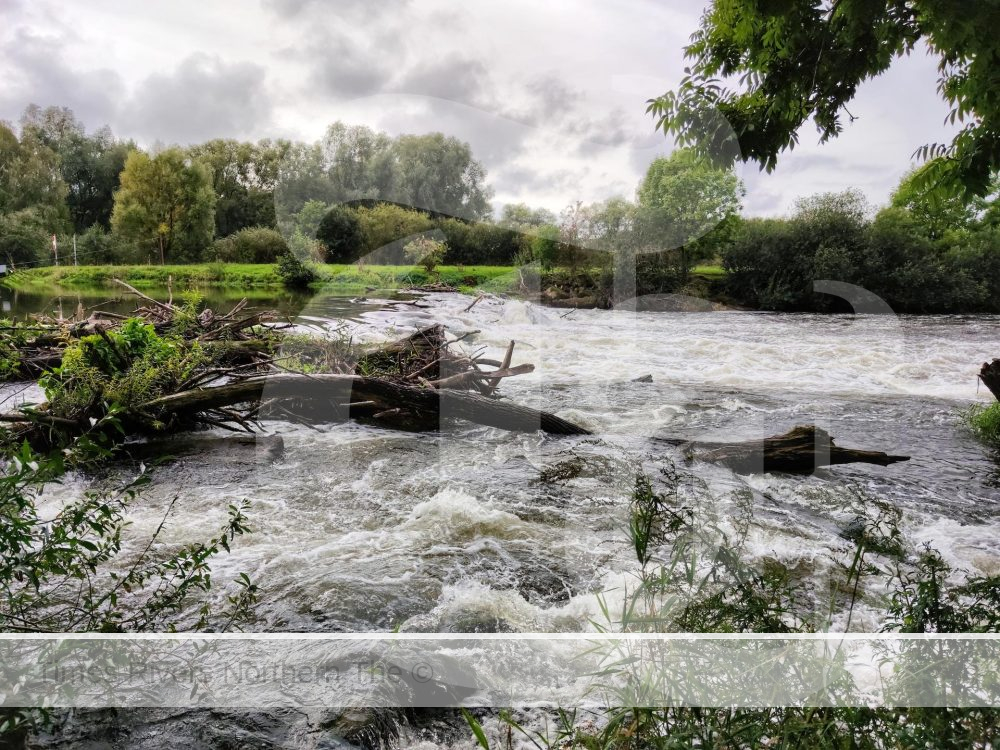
985	423
804	59
341	235
430	172
166	205
123	368
693	577
294	273
244	176
251	245
773	263
54	569
425	252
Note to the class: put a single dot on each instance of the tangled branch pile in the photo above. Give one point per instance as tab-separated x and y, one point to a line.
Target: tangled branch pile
171	367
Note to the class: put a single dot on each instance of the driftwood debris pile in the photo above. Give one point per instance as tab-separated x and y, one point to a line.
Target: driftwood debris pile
38	346
245	367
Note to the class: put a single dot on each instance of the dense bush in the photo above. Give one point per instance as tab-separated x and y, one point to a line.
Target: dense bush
340	233
385	227
252	245
97	245
773	263
294	273
984	421
23	238
480	243
425	252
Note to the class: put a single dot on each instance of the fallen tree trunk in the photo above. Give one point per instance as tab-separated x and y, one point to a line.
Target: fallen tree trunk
990	375
801	450
374	395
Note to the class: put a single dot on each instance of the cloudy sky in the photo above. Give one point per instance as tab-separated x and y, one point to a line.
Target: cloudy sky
551	97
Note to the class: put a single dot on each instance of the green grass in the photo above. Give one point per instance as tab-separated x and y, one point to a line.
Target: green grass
145	277
494	278
713	271
984	421
250	276
262	277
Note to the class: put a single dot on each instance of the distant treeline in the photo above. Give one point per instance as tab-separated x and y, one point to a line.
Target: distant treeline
361	195
926	252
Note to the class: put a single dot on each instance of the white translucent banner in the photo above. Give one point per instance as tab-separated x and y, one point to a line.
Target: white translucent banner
424	670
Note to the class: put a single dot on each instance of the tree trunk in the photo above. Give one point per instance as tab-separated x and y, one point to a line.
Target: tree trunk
340	391
990	375
800	451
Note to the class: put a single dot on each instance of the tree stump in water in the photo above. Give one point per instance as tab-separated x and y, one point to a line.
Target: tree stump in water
799	451
990	375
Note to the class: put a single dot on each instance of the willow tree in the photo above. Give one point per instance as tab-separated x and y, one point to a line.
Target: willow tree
769	66
166	202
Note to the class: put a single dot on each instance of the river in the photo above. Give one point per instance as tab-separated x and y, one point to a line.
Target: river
475	529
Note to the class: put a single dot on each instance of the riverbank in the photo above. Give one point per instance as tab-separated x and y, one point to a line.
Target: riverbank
257	276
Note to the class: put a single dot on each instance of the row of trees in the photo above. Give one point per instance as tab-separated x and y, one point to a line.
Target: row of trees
925	252
127	205
360	194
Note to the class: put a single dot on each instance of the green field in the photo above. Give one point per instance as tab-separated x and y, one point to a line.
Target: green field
709	271
250	276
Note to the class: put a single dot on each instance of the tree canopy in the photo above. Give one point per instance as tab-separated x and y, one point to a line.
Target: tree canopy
244	176
166	202
89	165
431	172
762	68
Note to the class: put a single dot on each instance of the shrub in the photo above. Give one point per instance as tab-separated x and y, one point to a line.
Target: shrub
341	235
127	367
425	252
545	245
386	226
65	573
480	243
24	240
984	421
294	273
96	245
252	245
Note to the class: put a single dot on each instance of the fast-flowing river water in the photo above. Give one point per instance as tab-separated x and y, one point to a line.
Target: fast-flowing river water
476	529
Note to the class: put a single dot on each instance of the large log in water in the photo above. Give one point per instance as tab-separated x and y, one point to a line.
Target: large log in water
375	393
990	375
801	450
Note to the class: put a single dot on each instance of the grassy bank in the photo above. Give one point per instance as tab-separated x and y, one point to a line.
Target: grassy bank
249	276
583	288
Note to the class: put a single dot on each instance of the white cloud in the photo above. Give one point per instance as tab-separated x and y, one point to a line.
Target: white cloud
552	97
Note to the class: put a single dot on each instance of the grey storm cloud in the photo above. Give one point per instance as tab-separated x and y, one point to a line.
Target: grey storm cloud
551	103
550	98
456	77
294	8
35	72
203	98
346	67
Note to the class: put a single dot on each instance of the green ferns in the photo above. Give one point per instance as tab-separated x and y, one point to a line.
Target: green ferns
124	368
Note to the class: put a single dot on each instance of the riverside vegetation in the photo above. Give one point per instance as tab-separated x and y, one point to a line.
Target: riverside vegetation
226	212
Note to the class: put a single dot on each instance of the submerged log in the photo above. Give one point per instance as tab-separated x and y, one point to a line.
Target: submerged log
799	451
990	375
372	395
